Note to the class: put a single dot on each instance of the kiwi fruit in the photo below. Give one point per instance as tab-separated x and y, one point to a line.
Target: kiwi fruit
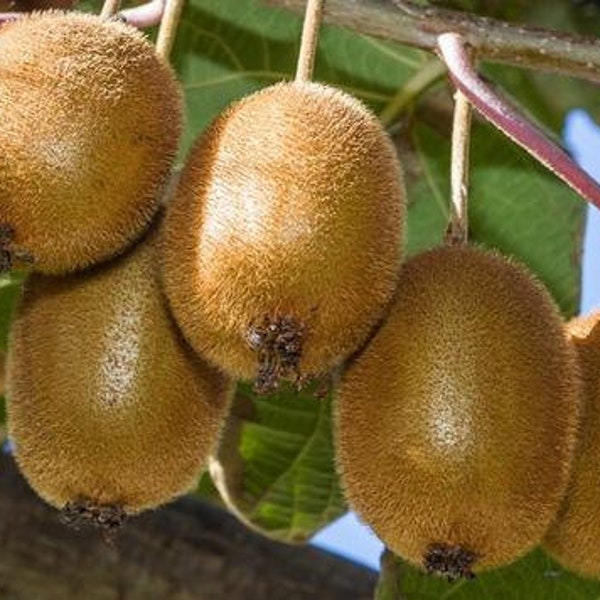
91	124
110	411
455	427
573	538
284	239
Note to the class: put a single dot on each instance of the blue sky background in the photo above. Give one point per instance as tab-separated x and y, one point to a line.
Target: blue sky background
350	538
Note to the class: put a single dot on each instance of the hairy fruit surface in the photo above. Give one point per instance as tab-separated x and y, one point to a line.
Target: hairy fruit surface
109	409
573	538
284	240
91	120
455	427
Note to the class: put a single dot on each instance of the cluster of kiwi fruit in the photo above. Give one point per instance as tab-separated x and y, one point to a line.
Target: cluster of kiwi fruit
110	407
109	410
279	255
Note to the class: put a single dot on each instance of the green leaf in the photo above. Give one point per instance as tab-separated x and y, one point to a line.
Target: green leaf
275	468
207	490
10	290
535	577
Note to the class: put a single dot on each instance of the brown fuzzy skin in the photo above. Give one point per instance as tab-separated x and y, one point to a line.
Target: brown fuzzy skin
573	539
455	427
106	403
291	205
90	128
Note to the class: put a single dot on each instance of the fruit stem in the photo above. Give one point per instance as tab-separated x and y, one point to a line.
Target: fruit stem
310	39
419	24
452	48
144	15
459	170
110	9
168	27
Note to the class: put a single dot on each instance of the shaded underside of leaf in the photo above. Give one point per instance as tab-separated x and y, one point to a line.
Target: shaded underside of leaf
275	466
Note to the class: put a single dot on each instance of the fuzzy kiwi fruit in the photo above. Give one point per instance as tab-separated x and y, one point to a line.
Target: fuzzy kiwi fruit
456	425
284	239
91	121
109	410
573	538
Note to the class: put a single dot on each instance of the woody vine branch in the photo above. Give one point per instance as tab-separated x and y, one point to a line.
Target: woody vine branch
408	23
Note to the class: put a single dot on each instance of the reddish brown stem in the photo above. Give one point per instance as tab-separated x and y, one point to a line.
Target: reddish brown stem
145	15
9	16
453	50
